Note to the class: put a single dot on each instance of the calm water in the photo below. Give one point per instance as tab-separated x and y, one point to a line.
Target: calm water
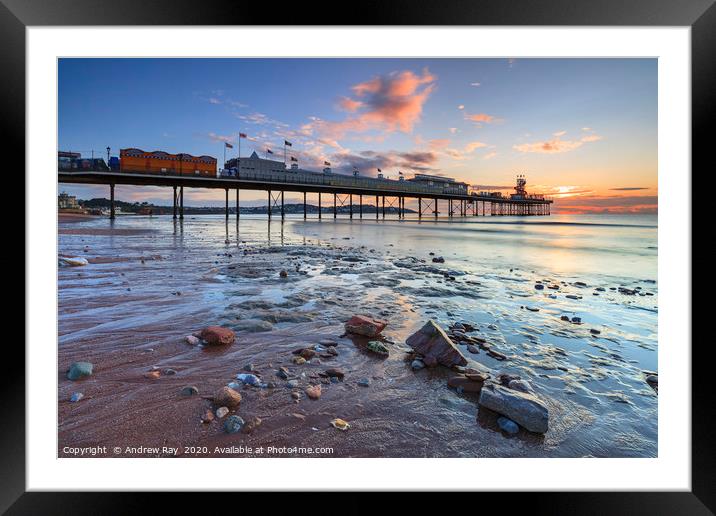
602	404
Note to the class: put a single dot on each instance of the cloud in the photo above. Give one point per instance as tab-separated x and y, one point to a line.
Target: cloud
555	145
559	133
489	155
629	188
461	106
385	103
368	162
222	138
480	117
214	100
476	84
452	130
474	145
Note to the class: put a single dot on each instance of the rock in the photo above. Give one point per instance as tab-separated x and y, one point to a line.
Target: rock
71	261
79	370
652	378
377	347
417	364
565	318
169	372
233	424
340	424
576	320
438	259
594	332
152	375
328	343
221	412
283	373
473	349
520	385
432	342
363	325
364	382
249	379
335	372
465	383
539	286
525	409
292	384
507	425
332	351
76	396
250	368
307	353
217	335
299	360
192	340
283	274
252	424
313	391
189	390
208	417
226	396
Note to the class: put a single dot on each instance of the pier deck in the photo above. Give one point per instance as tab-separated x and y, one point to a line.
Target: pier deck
341	187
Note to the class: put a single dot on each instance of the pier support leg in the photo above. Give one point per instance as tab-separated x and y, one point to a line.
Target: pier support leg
420	208
384	207
181	203
269	205
304	205
436	207
319	206
174	203
350	209
226	204
335	208
237	205
377	211
360	206
283	212
111	201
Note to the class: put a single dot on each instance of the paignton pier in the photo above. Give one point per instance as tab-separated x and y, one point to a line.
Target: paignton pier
433	193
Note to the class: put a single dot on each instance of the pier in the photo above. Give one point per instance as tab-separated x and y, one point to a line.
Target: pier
453	200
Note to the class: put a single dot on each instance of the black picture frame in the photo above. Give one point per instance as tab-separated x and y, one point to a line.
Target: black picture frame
700	15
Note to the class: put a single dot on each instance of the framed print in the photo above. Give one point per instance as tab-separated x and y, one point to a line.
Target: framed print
366	257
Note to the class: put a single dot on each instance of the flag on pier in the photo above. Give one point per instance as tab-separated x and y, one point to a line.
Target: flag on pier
228	145
242	135
287	143
379	170
293	159
327	163
269	151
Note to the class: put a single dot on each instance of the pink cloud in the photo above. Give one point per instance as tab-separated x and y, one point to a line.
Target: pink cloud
556	145
480	117
387	103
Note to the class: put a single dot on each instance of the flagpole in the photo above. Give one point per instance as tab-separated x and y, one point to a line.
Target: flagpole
223	165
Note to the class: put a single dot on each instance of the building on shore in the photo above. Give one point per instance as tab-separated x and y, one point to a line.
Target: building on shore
67	202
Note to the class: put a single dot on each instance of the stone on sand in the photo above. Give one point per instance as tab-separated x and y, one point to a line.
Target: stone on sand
524	409
432	342
217	335
364	325
226	396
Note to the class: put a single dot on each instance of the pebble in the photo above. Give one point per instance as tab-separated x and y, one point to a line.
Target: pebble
539	286
576	319
250	368
417	364
283	274
233	424
226	396
189	390
507	425
296	395
313	392
221	412
152	375
299	360
169	372
377	347
251	425
77	396
283	373
192	340
79	370
340	424
364	382
335	372
473	349
292	384
594	332
249	379
208	417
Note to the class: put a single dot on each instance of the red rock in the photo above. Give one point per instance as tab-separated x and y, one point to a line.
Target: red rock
432	342
363	325
226	396
313	392
152	375
208	417
217	335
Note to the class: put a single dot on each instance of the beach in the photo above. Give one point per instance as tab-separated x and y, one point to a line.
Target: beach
150	282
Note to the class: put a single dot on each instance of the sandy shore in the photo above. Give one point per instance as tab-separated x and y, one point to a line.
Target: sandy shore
129	311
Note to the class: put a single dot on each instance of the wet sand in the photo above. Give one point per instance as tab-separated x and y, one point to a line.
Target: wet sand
129	310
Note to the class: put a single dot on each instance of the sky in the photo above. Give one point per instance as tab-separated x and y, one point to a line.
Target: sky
583	131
